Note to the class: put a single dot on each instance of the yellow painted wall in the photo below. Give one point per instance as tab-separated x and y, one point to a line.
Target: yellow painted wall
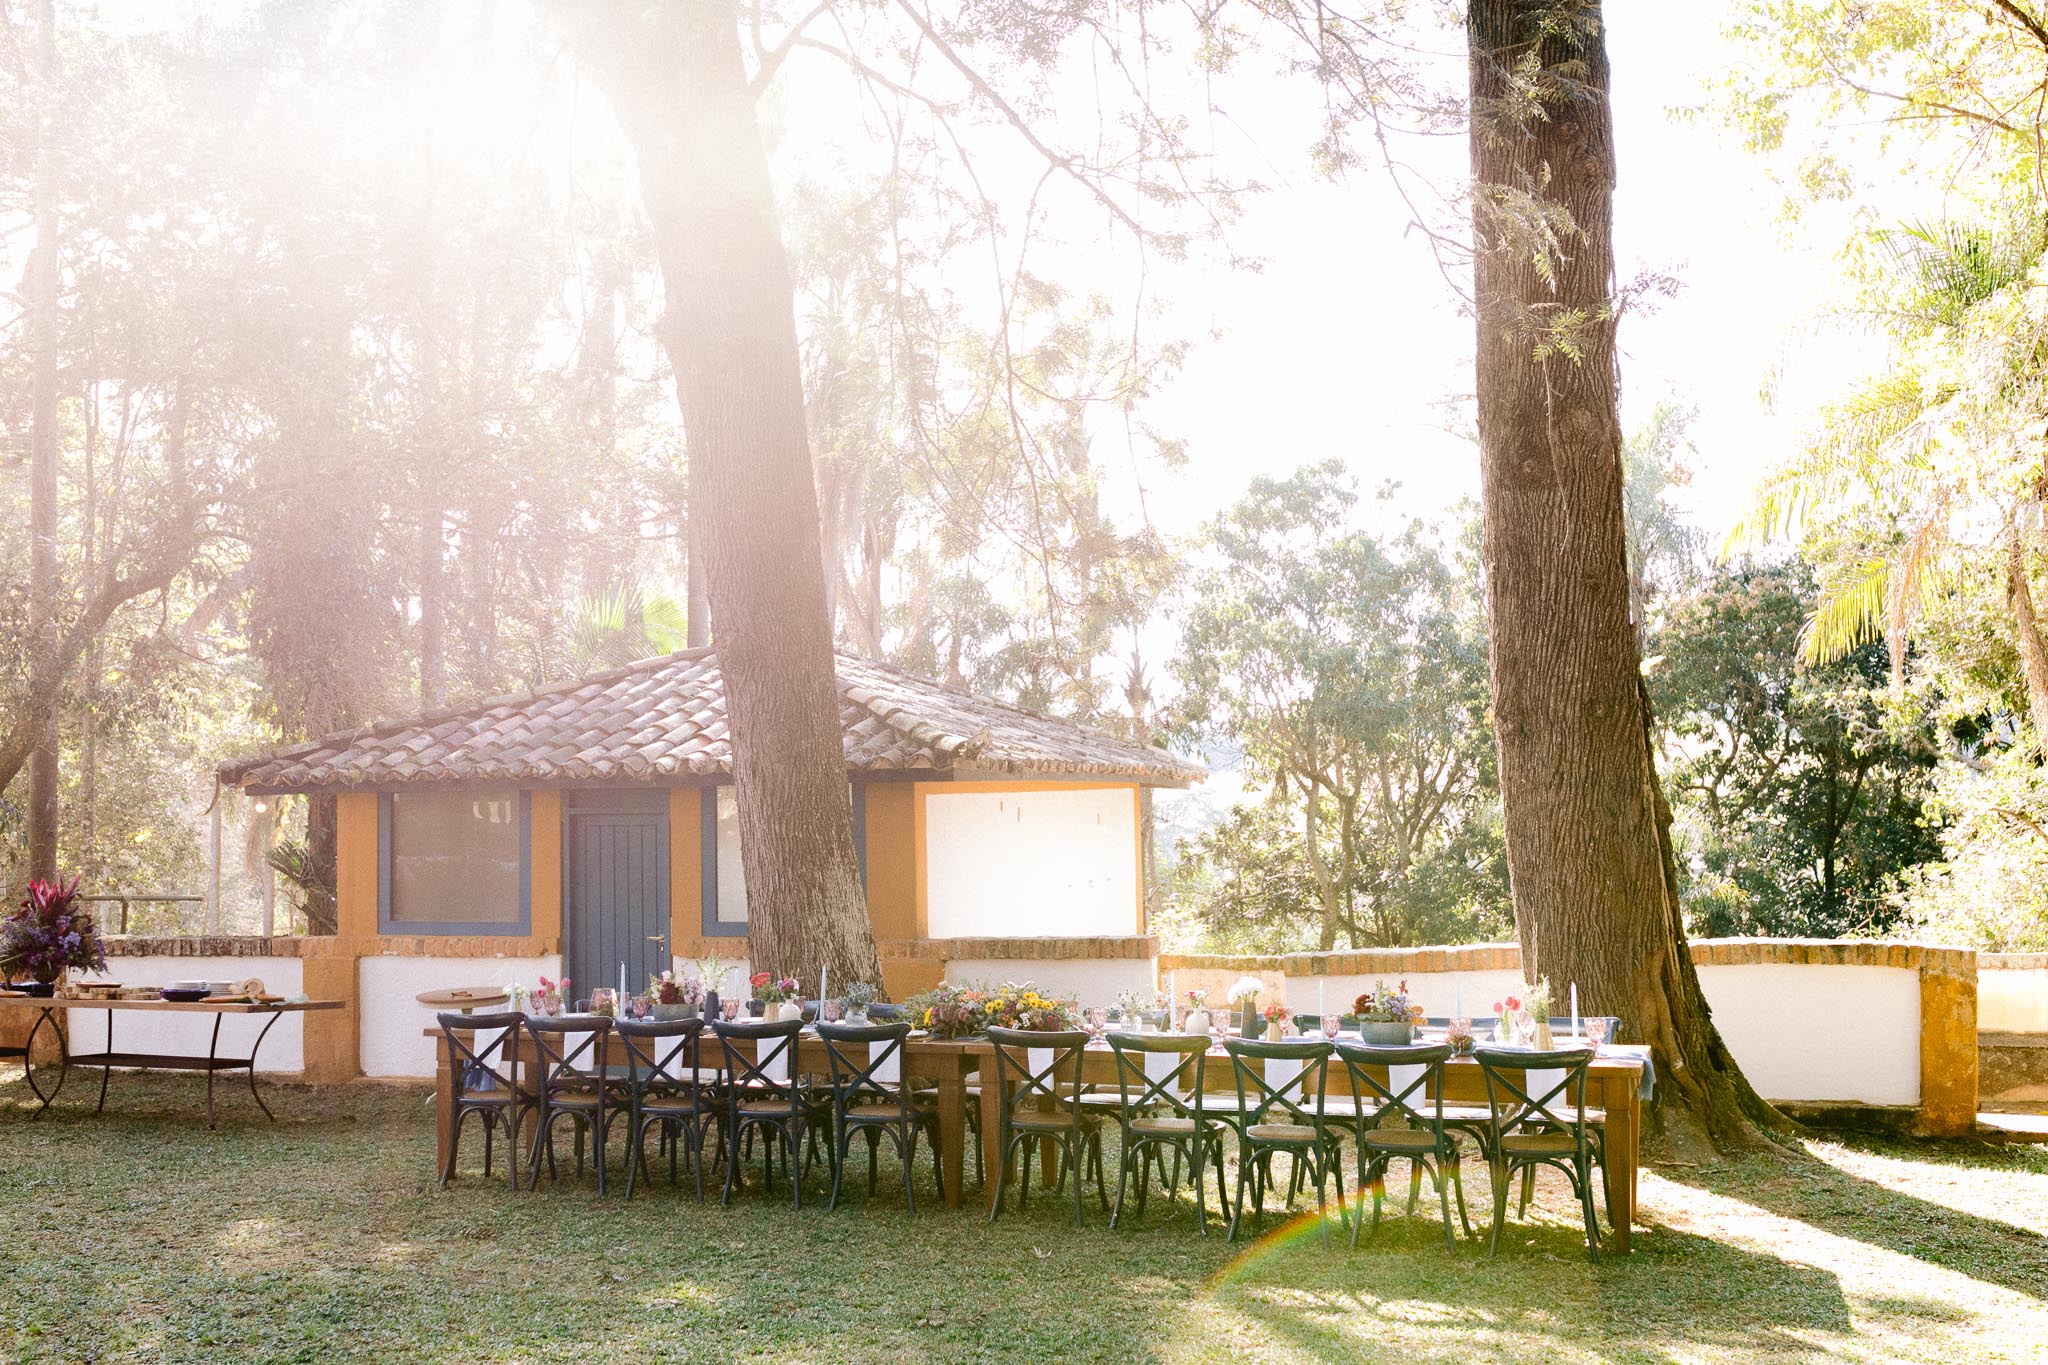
544	811
895	845
355	866
685	869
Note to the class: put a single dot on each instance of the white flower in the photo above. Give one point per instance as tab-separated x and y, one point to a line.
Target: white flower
1246	989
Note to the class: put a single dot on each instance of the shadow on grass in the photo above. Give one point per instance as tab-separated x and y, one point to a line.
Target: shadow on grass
1810	1190
1678	1293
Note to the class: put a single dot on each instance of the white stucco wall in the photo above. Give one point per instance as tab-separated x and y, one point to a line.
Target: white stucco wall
1031	864
1802	1032
2012	1001
1090	981
188	1033
1821	1032
390	1042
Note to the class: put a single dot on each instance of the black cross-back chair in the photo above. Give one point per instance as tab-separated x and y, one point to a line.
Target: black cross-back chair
577	1082
1164	1115
786	1112
1404	1124
1270	1123
670	1090
1044	1104
1547	1129
863	1103
486	1083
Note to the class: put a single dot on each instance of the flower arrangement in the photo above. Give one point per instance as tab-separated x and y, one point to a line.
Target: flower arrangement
950	1010
547	997
1197	998
1511	1005
47	935
710	972
1246	992
675	992
1382	1006
859	996
1275	1013
1536	1000
771	990
1020	1006
1127	1004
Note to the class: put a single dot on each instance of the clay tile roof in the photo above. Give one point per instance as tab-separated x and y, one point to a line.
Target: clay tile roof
665	718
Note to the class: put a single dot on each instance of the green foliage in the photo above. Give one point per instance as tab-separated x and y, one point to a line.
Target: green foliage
1350	668
1797	792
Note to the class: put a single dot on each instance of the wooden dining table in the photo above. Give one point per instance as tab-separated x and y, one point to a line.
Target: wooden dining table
952	1066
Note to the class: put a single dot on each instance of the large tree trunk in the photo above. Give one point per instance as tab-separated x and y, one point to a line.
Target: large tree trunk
675	76
1589	856
42	468
2019	597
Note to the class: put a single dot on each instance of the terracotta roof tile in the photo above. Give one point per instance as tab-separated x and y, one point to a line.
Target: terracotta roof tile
666	717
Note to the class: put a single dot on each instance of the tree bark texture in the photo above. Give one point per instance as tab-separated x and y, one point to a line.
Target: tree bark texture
1588	837
2026	623
675	76
42	477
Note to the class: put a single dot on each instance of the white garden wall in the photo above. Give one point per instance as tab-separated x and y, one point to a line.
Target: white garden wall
389	1041
2012	992
1090	981
1810	1032
181	1032
1037	863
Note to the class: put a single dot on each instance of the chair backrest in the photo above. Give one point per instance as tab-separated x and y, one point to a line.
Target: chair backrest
572	1049
769	1070
1257	1098
1559	1024
654	1062
1175	1086
1059	1078
492	1067
1558	1097
1411	1089
884	1013
865	1061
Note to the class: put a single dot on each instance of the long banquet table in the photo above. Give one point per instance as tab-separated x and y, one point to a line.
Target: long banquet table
950	1065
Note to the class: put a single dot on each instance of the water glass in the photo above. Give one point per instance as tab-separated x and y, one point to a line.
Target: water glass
1596	1032
1331	1023
833	1010
730	1009
1098	1020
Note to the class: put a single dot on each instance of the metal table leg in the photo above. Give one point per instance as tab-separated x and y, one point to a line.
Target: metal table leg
46	1015
106	1072
253	1049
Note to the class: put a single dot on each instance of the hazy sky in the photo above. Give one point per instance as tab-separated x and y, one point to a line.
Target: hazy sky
1348	341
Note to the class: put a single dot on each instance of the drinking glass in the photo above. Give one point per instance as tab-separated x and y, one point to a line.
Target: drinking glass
1596	1032
834	1010
640	1006
730	1009
1331	1023
1098	1020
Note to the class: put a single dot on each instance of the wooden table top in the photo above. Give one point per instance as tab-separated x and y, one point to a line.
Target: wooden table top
171	1006
462	998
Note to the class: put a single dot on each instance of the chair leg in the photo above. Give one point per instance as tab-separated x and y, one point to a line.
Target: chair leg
995	1204
1414	1185
1458	1183
839	1167
454	1145
490	1129
1501	1176
1585	1181
1123	1179
1442	1179
1528	1190
1195	1173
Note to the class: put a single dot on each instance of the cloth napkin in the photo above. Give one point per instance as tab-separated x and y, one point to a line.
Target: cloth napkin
1282	1072
1038	1059
773	1068
1399	1078
477	1076
891	1071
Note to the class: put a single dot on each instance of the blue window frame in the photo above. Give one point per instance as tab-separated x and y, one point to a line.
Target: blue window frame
707	900
392	919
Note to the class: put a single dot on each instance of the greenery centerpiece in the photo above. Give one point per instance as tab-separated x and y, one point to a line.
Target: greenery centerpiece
1387	1017
859	996
1536	1013
49	935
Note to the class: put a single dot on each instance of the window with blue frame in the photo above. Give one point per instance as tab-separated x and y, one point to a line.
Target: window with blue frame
454	862
724	889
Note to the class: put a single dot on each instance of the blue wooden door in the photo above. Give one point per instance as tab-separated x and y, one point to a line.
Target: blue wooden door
614	887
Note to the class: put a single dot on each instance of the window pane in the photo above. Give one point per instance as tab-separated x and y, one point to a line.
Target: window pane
732	881
454	858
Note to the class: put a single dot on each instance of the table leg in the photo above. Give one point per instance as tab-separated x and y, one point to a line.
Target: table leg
106	1072
991	1128
254	1048
212	1051
953	1133
1622	1100
444	1103
46	1015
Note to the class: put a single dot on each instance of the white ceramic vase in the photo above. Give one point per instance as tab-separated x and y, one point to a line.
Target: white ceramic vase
1197	1022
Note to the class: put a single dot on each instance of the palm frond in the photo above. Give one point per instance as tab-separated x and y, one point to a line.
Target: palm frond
1849	615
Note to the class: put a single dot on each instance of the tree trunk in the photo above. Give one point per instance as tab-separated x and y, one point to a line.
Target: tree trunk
675	76
1588	839
2019	596
433	612
42	460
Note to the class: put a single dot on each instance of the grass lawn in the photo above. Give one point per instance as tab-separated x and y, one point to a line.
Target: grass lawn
323	1237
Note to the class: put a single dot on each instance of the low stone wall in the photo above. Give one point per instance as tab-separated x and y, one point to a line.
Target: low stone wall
1878	1032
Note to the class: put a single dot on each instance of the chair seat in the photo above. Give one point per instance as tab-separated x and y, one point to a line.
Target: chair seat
769	1109
1055	1122
1400	1140
1538	1144
875	1107
1163	1125
1285	1132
